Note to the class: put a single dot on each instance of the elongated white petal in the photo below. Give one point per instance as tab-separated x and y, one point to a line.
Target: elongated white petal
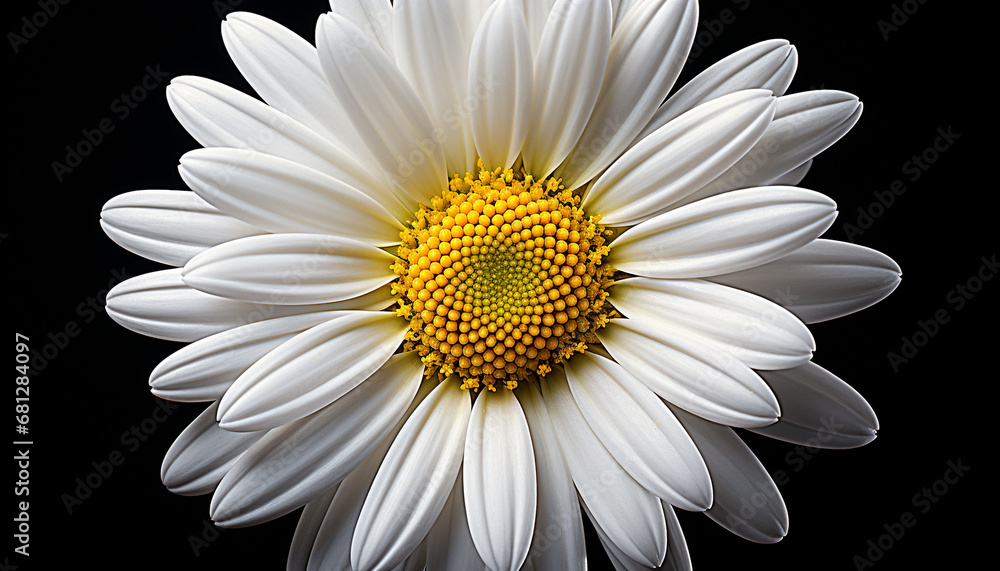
268	481
499	465
536	13
766	65
631	515
821	411
677	558
169	226
332	549
219	116
824	280
311	370
433	57
760	333
805	124
202	454
373	17
722	234
680	158
414	481
279	195
500	84
284	70
693	374
307	530
159	304
204	369
647	52
449	542
290	269
383	108
740	481
568	76
557	543
639	431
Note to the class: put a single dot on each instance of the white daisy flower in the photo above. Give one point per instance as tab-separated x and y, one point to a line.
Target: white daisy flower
468	269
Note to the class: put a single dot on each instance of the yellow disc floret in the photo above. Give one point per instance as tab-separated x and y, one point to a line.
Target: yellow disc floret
500	278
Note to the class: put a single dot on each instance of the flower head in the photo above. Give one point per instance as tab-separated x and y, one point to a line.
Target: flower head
468	265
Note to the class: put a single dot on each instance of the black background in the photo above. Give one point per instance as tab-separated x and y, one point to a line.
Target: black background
91	390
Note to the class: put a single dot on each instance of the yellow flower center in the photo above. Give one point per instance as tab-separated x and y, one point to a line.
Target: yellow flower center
501	278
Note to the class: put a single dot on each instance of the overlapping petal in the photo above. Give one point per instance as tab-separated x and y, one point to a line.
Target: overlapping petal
824	280
693	374
203	453
501	73
821	411
739	480
647	51
568	77
630	514
760	333
382	107
639	431
290	269
311	370
722	234
279	195
267	482
680	158
414	481
169	226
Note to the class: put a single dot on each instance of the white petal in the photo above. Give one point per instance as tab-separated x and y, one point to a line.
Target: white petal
203	370
499	467
568	76
677	558
821	281
159	304
500	84
169	226
307	529
433	57
766	65
557	543
680	158
758	332
740	481
332	549
414	480
219	116
726	233
536	13
805	124
202	455
693	374
279	195
639	431
647	53
631	515
821	411
373	17
311	370
290	269
298	461
382	107
449	542
284	69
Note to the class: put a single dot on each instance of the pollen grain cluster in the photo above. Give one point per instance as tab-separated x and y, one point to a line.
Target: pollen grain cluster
501	278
